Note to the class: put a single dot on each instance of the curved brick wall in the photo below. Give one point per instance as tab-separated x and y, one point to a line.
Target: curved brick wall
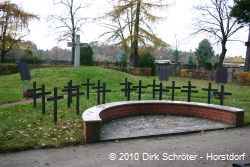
95	116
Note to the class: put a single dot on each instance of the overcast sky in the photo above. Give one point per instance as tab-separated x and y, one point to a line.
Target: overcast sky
179	19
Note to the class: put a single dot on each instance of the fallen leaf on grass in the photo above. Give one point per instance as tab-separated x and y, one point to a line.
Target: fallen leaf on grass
55	139
240	133
43	144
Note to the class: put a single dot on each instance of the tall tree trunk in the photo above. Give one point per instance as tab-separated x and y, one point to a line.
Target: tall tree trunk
247	59
3	53
136	31
223	52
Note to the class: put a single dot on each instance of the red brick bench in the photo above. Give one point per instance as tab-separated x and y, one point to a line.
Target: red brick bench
95	116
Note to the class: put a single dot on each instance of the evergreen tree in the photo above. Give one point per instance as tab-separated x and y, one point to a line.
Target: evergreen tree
204	52
147	60
190	60
86	56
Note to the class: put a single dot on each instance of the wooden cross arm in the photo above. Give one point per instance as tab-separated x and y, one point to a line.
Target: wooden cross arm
41	93
128	89
192	91
66	90
170	87
205	89
167	90
77	94
31	90
101	91
54	98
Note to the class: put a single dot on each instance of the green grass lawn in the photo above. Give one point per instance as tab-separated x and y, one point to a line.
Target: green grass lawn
22	126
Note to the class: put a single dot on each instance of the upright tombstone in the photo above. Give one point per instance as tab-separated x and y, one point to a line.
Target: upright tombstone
164	73
221	75
77	46
25	74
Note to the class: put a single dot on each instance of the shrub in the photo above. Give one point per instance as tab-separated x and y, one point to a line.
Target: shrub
208	65
184	72
147	60
243	77
216	65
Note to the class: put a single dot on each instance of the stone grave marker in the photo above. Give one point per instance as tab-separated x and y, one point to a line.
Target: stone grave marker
221	75
77	94
173	87
25	74
88	84
139	88
77	46
189	90
154	88
103	91
128	89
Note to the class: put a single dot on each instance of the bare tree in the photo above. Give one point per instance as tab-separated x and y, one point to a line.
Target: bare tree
69	22
214	19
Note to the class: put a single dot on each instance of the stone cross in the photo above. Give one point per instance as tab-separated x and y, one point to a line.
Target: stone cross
77	46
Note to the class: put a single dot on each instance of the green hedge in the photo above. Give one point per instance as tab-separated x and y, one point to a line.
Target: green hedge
8	68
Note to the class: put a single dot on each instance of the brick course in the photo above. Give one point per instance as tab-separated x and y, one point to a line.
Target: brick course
95	116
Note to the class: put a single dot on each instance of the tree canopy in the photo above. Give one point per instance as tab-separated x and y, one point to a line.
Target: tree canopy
131	26
204	52
241	11
13	25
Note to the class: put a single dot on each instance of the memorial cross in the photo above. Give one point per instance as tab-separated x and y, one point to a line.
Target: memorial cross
33	91
139	88
77	46
77	94
103	91
209	89
126	84
222	93
55	98
160	91
154	88
189	91
43	93
87	85
69	90
98	87
128	90
173	88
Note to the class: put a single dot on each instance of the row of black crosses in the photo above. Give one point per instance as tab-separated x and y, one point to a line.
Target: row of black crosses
159	88
101	89
69	89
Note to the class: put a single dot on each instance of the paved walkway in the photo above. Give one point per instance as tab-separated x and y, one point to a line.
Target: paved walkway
155	125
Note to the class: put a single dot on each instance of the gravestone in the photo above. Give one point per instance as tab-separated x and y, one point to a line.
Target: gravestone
221	75
77	46
164	73
25	74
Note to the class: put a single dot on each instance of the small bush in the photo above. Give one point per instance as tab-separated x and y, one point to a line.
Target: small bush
208	65
184	72
243	77
216	65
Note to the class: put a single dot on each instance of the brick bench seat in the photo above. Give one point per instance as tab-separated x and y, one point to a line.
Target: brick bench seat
97	115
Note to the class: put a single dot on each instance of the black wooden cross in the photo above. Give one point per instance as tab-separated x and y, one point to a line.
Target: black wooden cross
55	98
139	88
77	94
88	85
33	91
222	93
154	88
69	89
43	93
173	88
209	89
98	87
189	91
103	91
126	84
160	90
128	90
